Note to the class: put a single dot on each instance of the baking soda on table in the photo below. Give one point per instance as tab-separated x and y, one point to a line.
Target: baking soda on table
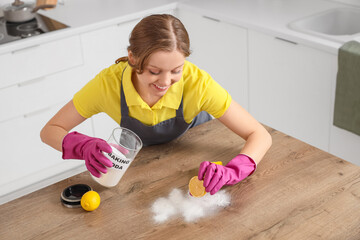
190	208
115	173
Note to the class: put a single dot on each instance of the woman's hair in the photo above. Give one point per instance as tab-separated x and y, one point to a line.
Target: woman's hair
158	32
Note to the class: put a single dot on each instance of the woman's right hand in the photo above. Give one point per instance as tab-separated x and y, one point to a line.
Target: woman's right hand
79	146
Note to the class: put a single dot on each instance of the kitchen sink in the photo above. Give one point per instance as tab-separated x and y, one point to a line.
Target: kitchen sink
339	24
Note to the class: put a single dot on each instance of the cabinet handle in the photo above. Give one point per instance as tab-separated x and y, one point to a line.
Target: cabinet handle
24	49
32	81
211	18
285	40
36	112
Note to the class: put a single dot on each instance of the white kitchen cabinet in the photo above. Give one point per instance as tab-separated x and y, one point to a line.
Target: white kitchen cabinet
221	50
343	143
26	162
33	88
290	87
40	93
103	125
101	48
39	60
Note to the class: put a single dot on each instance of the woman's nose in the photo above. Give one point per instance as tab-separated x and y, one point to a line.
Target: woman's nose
165	79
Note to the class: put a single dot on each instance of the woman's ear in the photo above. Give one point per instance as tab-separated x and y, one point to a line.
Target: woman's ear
131	58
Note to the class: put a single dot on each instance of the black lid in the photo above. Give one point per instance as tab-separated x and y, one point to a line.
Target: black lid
71	196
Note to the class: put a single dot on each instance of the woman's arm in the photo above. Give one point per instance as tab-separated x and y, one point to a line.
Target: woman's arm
258	140
58	126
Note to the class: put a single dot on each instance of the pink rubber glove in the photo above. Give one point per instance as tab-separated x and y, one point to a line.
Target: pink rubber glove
215	176
79	146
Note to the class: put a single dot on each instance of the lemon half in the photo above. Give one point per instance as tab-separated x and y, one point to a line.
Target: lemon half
196	187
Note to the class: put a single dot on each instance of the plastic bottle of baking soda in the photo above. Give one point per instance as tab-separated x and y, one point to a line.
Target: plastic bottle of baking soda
116	172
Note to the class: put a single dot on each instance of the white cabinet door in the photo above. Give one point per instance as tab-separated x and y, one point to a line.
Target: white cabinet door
290	87
221	50
37	94
26	160
343	143
103	125
102	47
40	60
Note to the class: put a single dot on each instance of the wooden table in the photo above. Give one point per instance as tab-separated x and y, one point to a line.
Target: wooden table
297	192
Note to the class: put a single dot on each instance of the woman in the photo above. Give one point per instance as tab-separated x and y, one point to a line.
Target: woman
159	95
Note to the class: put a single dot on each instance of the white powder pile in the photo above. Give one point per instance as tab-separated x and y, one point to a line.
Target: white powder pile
191	208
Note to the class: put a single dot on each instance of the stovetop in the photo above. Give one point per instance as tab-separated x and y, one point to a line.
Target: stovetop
10	31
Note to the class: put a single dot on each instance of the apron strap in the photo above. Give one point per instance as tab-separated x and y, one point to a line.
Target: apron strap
123	105
179	111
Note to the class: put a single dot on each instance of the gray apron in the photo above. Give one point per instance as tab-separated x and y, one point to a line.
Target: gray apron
162	132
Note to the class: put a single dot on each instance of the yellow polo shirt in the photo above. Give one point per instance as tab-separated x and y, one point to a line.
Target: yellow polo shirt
198	90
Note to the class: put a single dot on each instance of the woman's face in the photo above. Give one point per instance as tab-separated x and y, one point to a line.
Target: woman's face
163	70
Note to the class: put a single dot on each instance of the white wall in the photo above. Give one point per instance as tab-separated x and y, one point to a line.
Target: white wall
3	2
355	3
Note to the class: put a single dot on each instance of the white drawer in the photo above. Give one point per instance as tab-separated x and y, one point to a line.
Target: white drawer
25	156
37	94
39	60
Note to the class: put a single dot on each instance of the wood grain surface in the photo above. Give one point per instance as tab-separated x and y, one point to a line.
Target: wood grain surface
297	192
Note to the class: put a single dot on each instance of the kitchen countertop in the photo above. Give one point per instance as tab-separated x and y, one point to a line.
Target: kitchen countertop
88	15
297	192
269	16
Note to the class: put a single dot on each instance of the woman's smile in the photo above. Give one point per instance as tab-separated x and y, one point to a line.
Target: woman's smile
161	88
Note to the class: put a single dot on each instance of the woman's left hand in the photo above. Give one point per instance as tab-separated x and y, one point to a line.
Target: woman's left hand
216	176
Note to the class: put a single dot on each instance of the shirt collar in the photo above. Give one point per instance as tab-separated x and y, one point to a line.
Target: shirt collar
171	99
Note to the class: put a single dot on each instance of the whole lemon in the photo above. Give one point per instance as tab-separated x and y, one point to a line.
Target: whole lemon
90	201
